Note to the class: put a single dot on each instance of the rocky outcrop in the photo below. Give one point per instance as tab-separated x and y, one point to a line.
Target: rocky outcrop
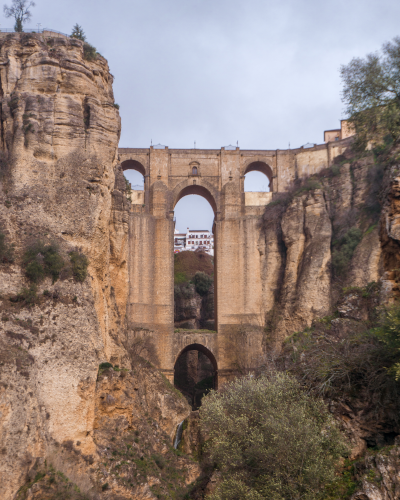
378	475
191	310
300	232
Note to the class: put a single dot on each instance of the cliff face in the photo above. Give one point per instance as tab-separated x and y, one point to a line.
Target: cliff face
191	310
60	182
307	246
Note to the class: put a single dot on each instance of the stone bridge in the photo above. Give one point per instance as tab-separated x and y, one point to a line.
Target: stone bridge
218	176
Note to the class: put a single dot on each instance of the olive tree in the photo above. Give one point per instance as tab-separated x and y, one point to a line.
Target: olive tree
19	10
371	94
269	439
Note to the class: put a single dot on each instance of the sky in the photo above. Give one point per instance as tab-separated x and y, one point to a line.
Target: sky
263	73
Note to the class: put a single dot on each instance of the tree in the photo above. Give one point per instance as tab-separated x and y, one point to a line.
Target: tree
269	439
77	32
19	10
371	94
202	282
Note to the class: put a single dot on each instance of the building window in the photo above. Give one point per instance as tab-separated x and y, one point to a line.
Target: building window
194	171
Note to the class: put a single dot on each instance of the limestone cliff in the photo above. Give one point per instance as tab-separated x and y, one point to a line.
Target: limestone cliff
60	182
303	245
191	310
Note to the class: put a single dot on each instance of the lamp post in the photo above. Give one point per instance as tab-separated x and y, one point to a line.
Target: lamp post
38	27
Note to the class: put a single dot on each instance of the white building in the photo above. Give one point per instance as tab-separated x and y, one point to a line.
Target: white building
194	239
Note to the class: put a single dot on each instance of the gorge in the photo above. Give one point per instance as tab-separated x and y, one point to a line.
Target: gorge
87	402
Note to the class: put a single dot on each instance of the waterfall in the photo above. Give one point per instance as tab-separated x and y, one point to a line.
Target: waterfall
178	435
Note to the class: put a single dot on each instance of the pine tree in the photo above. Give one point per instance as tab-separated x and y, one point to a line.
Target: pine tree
77	32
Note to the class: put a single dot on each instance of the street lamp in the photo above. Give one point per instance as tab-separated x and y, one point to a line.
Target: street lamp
38	27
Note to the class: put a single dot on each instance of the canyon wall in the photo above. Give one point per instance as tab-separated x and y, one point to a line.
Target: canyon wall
307	232
60	184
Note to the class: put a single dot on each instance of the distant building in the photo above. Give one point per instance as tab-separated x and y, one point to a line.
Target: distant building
194	239
338	134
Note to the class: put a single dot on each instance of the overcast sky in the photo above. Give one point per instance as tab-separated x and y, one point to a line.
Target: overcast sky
264	73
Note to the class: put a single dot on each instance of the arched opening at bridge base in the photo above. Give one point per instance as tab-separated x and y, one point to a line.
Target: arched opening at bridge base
195	373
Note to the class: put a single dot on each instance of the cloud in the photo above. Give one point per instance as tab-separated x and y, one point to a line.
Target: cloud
217	71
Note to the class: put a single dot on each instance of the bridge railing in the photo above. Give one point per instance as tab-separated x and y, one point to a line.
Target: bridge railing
41	30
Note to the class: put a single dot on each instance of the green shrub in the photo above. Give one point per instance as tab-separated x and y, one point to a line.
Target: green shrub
127	186
104	366
389	333
269	439
160	461
116	105
187	264
80	264
180	278
342	254
202	282
6	251
42	260
89	52
28	296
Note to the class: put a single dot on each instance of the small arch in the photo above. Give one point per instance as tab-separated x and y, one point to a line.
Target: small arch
199	190
195	374
134	174
194	170
133	165
264	168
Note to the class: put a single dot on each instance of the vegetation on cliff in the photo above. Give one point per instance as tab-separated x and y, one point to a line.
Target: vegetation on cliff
193	290
6	250
187	264
20	11
371	93
269	439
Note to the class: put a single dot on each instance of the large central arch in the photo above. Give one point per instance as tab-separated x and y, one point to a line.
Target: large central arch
208	193
197	190
197	186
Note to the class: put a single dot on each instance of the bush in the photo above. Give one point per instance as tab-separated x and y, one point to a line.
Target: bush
269	439
341	256
187	263
6	251
80	264
105	366
127	186
42	260
389	333
89	52
28	296
202	282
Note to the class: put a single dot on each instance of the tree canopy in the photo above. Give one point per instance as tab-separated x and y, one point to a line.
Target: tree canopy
19	10
269	439
371	93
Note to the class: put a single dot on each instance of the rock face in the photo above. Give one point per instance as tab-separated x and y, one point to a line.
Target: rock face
192	311
378	475
60	183
296	247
